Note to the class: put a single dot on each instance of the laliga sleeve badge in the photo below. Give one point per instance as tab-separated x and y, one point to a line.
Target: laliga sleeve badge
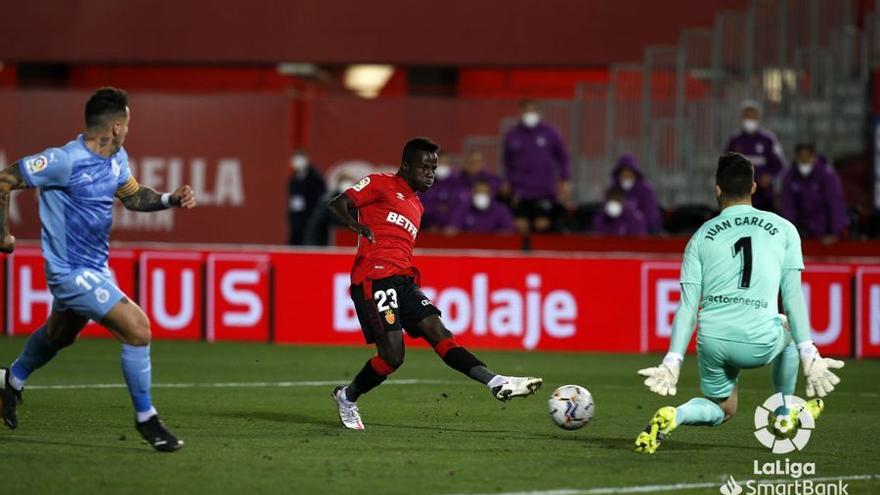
36	164
361	184
389	317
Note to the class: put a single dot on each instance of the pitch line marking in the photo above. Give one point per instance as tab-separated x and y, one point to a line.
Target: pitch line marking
674	487
292	384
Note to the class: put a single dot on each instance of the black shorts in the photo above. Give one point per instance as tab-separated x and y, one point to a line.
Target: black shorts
390	305
535	208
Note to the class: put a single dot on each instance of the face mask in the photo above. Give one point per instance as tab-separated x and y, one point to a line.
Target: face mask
300	163
345	185
613	208
442	171
805	168
481	201
531	119
750	125
627	184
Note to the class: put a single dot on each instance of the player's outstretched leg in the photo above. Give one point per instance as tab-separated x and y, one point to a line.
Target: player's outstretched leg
698	411
131	326
60	331
375	371
460	359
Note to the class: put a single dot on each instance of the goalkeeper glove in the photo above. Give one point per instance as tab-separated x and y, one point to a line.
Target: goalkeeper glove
662	379
817	370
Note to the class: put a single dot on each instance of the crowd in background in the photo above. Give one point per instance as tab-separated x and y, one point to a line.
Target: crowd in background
535	192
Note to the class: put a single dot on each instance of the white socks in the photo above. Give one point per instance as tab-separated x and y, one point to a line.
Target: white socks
142	417
15	382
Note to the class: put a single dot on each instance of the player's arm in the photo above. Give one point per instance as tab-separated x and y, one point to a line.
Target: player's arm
662	379
136	197
817	370
10	180
339	206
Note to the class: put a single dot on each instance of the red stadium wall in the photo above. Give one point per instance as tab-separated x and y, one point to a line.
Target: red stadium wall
233	150
490	299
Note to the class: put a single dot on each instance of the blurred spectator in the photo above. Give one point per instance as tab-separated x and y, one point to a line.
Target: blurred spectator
537	168
446	196
627	176
485	213
305	189
619	217
322	221
475	170
762	148
812	198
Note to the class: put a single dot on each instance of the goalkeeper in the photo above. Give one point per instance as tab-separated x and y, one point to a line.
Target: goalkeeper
734	267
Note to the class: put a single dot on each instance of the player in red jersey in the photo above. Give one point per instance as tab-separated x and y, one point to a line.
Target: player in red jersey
385	284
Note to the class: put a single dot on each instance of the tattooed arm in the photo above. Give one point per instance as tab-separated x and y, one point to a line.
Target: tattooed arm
136	197
10	180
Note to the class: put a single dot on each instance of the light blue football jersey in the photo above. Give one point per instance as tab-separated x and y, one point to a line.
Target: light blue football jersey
77	189
737	259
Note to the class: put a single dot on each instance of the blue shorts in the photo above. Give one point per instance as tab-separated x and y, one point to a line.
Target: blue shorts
87	292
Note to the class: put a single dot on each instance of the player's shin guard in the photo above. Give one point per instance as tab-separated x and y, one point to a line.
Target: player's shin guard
699	412
461	360
38	351
785	370
137	371
374	372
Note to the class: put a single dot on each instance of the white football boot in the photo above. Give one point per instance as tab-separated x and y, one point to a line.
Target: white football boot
517	386
349	415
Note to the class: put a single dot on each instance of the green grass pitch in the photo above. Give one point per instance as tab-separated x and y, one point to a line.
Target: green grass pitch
434	433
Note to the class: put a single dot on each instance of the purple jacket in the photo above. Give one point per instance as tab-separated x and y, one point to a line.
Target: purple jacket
442	202
629	223
535	160
814	204
641	196
494	219
765	153
467	181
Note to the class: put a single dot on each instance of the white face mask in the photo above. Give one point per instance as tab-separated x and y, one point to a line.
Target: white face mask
531	119
442	171
482	201
627	184
750	125
613	208
300	163
805	168
345	185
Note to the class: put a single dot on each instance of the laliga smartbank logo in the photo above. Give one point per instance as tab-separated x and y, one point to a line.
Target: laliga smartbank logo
785	434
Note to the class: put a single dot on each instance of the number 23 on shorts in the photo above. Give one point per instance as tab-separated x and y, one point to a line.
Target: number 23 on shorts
386	303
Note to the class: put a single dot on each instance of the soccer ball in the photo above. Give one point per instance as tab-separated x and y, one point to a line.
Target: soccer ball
571	407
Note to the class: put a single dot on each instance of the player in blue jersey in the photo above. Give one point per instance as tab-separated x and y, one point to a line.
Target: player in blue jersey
734	268
77	183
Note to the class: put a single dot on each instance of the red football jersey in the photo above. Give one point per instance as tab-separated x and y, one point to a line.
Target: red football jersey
393	211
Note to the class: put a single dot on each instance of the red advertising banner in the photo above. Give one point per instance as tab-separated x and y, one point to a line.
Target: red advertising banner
171	293
29	300
238	297
827	291
490	302
868	311
232	150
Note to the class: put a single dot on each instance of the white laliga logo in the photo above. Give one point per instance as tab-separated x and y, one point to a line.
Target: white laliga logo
731	487
783	424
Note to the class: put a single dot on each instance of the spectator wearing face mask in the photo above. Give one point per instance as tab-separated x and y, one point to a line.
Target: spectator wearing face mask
627	176
484	214
812	197
762	148
322	221
618	217
446	196
537	168
305	188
